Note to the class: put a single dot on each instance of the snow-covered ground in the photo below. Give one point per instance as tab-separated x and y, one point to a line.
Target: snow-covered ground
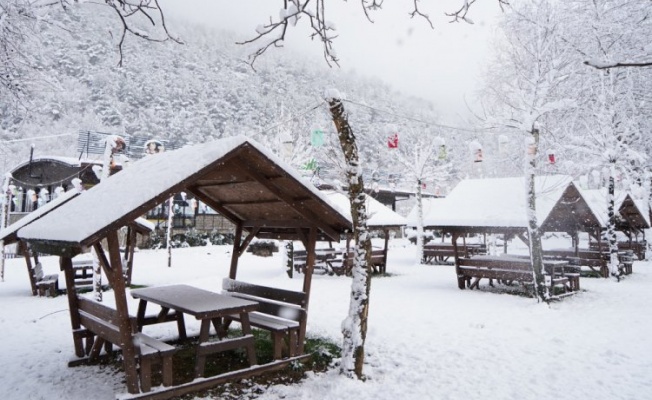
427	339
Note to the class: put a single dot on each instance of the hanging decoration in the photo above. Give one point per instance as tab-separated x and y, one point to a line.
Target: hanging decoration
476	151
154	146
287	146
311	165
502	145
392	141
551	156
317	138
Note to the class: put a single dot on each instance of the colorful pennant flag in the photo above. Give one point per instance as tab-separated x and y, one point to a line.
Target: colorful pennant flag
392	141
317	138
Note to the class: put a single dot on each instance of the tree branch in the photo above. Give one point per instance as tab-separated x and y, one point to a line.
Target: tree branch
599	65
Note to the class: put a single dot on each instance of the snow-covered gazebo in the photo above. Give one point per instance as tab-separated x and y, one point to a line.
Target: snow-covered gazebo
381	217
263	196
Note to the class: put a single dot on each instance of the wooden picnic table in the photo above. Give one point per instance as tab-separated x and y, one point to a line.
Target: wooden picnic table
508	268
441	252
209	308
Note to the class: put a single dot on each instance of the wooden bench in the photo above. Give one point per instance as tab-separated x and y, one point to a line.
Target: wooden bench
281	312
508	271
46	285
377	263
102	331
83	272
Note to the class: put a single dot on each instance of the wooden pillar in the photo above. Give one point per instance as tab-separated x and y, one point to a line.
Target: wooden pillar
461	282
23	248
129	252
126	338
384	268
307	279
65	264
235	254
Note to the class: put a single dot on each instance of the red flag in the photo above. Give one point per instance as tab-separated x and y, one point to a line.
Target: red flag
392	141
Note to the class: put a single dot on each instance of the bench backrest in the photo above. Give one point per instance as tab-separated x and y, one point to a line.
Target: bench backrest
278	302
37	271
101	320
498	264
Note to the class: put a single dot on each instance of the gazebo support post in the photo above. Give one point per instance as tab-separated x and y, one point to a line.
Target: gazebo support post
311	244
461	283
236	247
118	284
24	249
65	264
384	268
130	243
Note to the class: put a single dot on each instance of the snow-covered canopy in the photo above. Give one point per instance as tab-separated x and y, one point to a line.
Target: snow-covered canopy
236	176
494	204
380	216
9	233
631	212
429	204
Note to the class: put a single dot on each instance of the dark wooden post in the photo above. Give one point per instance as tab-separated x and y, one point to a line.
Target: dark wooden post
23	248
460	279
126	339
65	264
307	279
384	267
236	250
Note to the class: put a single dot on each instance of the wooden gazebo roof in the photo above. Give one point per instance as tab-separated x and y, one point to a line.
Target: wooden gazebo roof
235	176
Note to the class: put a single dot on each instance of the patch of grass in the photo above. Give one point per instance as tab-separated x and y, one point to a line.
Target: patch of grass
322	353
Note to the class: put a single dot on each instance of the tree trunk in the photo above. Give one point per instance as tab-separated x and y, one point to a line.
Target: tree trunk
419	223
354	327
611	224
536	249
4	220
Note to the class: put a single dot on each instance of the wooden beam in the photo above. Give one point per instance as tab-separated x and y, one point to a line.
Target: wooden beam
104	262
247	240
214	205
297	205
289	223
124	323
65	264
236	249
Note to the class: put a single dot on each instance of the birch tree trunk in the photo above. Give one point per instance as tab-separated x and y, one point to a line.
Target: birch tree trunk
534	234
4	220
354	327
611	223
419	223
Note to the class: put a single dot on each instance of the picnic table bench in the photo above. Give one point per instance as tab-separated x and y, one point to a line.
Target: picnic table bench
439	253
596	261
46	285
83	272
335	262
101	331
637	248
507	270
281	312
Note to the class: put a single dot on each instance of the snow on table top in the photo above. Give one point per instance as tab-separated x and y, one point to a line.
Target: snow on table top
134	186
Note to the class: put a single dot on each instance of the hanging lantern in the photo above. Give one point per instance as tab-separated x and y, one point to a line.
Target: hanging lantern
311	165
531	146
392	141
551	156
597	178
317	138
476	151
441	154
502	145
154	146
